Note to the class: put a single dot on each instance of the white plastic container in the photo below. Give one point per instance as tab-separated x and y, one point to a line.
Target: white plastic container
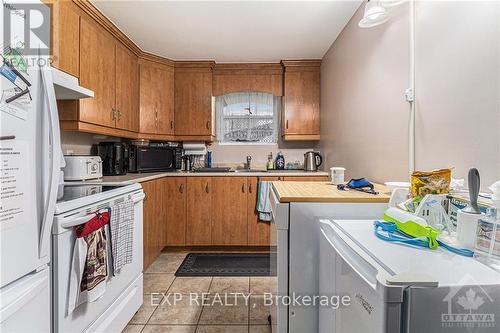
337	175
467	228
487	246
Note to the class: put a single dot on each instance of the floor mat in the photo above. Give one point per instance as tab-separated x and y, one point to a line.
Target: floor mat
226	264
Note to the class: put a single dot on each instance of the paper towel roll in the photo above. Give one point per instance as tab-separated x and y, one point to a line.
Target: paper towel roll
194	148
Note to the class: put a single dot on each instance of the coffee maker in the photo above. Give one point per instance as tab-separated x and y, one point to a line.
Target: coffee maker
114	157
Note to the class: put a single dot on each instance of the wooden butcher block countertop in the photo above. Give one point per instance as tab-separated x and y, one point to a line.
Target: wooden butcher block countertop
325	192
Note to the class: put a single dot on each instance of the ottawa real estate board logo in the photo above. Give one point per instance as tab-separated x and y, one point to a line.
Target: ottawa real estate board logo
466	307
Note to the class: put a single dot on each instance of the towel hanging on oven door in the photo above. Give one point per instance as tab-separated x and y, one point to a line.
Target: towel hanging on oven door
122	234
89	266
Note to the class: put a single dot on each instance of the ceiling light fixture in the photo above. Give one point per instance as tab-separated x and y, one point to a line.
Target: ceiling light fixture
375	14
391	3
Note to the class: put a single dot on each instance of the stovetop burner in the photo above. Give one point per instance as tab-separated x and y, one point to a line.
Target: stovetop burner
72	192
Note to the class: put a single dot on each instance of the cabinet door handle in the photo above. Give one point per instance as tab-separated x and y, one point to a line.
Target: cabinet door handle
208	125
156	114
181	188
250	188
206	188
113	114
119	114
171	124
243	188
287	124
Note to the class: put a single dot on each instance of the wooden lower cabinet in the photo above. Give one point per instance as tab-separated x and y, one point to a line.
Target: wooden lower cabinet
199	211
175	203
229	211
153	221
258	231
307	179
204	211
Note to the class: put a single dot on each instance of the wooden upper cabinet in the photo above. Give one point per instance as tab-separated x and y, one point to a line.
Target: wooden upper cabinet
148	103
232	78
156	98
97	72
66	36
175	203
166	100
193	101
301	101
199	211
127	89
229	211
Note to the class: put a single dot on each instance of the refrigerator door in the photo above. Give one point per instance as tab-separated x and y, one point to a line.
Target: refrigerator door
20	193
24	306
29	142
347	275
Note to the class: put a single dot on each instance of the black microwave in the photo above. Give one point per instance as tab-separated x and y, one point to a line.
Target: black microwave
154	158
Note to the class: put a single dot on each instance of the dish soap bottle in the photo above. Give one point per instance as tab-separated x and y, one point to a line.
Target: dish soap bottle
280	161
270	162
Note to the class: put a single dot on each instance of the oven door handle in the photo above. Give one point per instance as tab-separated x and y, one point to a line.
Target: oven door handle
70	222
138	197
76	221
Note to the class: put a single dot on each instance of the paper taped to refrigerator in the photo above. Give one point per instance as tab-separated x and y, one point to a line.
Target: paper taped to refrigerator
14	182
17	108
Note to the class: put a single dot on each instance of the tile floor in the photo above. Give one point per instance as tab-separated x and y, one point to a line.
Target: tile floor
233	314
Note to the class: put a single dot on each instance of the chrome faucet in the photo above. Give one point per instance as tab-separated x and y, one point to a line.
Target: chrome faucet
249	162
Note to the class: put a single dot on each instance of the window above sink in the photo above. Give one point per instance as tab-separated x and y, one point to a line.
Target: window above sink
247	118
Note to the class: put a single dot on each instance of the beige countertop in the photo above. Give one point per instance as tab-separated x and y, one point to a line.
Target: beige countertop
132	178
325	192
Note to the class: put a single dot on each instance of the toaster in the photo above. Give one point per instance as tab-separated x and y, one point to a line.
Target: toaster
80	167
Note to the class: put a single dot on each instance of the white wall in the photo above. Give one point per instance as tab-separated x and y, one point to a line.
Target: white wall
458	87
364	74
231	154
76	143
364	117
81	144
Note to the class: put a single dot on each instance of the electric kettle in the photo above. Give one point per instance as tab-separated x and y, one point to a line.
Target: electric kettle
312	160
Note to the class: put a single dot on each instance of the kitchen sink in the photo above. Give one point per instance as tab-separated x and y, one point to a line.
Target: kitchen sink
249	170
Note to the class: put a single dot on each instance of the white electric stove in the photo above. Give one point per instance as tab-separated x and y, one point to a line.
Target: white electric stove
123	297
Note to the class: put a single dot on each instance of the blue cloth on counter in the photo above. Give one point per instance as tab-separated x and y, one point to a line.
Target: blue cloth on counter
263	202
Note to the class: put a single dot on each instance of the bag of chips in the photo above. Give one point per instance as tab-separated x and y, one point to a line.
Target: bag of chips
431	182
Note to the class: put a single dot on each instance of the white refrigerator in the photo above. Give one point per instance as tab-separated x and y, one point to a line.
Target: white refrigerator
30	161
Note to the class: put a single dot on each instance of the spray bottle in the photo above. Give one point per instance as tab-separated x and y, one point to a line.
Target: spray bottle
487	249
